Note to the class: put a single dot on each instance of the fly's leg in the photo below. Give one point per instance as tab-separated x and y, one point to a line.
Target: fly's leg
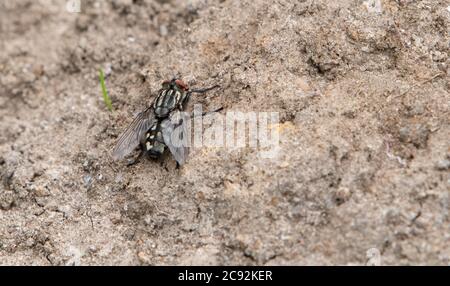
208	112
203	90
132	162
213	111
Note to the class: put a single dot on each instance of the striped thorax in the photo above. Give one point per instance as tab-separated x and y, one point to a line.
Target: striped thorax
172	96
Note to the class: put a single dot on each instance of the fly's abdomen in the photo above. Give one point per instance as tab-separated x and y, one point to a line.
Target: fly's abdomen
154	141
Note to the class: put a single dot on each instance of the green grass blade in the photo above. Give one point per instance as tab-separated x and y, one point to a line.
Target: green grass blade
106	97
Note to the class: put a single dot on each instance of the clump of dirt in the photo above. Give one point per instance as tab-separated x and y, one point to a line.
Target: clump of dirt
361	88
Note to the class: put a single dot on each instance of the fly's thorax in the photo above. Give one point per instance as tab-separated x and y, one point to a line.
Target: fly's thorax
168	100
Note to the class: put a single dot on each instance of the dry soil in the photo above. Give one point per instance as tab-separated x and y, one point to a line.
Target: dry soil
362	175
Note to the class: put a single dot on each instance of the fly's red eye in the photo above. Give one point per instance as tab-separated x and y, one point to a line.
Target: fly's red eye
181	84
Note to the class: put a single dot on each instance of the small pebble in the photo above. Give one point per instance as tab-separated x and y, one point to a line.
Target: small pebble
163	31
87	181
108	69
443	165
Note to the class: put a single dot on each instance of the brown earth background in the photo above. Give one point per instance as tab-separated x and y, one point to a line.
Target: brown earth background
363	168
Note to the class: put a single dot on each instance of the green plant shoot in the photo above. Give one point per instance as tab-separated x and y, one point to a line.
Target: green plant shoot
106	97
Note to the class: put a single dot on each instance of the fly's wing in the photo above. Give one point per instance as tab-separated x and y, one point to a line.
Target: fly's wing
176	135
131	137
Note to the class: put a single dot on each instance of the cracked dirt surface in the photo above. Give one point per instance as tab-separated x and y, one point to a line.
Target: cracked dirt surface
363	97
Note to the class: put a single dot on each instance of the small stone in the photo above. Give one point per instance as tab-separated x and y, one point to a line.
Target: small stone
40	191
86	165
116	219
350	114
373	6
41	201
416	110
7	200
119	178
342	195
443	165
108	69
129	234
163	31
303	85
417	134
38	70
87	181
284	164
30	242
82	23
143	258
148	220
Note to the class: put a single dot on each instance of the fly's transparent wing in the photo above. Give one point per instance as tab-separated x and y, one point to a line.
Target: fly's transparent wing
176	134
131	137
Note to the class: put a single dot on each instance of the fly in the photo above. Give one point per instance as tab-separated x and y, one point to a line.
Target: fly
152	129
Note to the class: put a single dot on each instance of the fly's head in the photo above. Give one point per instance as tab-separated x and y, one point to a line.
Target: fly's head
176	84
